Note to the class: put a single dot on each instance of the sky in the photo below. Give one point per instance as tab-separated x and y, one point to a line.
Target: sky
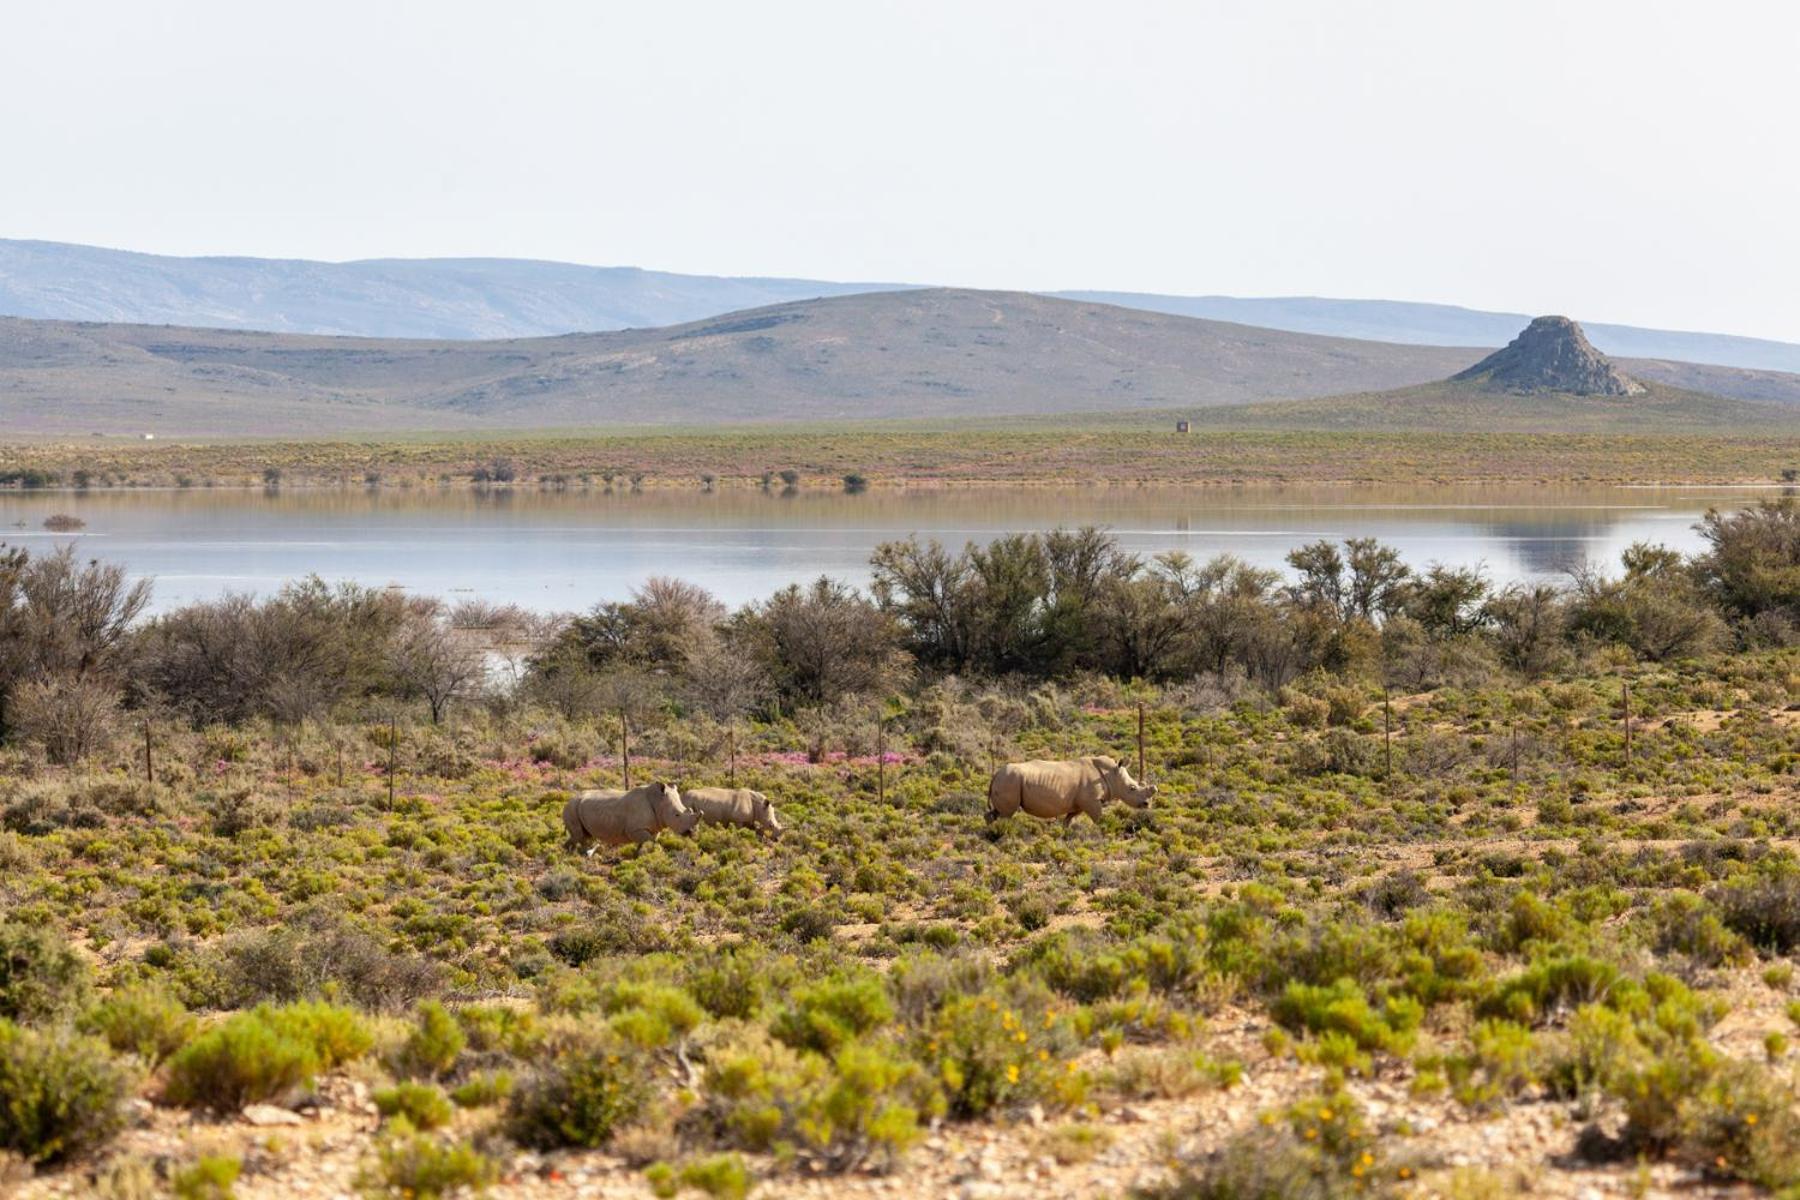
1629	162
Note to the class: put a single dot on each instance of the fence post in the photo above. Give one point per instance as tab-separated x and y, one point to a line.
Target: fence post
1143	775
1387	734
625	746
1625	689
149	762
881	760
393	748
1515	758
731	740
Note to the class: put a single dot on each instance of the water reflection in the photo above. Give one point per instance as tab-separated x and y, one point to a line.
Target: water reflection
567	549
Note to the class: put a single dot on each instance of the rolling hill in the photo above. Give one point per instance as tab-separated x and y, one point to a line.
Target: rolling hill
892	355
476	298
928	354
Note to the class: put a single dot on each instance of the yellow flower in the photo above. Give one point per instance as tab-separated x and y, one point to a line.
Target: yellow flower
1311	1134
1749	1118
1368	1159
1324	1114
1044	1056
1012	1073
1020	1036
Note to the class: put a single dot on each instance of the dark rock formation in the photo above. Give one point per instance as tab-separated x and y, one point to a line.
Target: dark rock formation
1551	355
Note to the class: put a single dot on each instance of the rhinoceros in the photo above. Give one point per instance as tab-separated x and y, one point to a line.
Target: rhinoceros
1063	789
734	806
612	817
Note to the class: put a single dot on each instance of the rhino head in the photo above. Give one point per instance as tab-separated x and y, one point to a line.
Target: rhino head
764	814
1121	786
671	811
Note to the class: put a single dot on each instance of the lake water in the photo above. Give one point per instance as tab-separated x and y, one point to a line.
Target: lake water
564	551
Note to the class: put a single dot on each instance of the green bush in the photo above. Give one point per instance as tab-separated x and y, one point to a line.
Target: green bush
61	1095
208	1178
335	1035
1323	1151
579	1098
988	1056
479	1091
142	1019
421	1105
41	978
433	1045
261	1054
1343	1008
860	1108
722	1176
652	1015
414	1166
827	1015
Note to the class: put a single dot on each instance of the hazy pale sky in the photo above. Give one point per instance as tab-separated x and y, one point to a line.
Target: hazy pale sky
1625	161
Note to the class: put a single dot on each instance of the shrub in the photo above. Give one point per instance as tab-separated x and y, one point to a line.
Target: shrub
1559	981
40	976
294	963
1343	1008
262	1054
579	1098
1324	1151
70	715
142	1019
413	1166
334	1035
732	984
208	1178
61	1095
829	1014
1765	910
722	1176
860	1108
421	1105
986	1058
434	1044
651	1015
479	1091
1502	1062
243	1061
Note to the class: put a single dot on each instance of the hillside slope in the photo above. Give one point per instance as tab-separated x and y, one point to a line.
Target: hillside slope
916	354
469	298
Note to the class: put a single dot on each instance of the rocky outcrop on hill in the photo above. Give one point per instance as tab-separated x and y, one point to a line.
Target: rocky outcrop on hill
1551	355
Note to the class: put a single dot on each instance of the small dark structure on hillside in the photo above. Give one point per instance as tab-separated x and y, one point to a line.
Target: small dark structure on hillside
1181	427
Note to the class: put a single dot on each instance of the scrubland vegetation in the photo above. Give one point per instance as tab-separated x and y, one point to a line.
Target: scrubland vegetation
1489	851
1125	448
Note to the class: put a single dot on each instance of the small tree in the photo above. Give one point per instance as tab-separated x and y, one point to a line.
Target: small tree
433	659
71	716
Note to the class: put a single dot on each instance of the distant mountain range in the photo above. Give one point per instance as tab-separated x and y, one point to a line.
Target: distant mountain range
477	298
916	354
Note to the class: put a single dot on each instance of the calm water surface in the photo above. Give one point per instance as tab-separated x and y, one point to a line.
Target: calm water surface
558	551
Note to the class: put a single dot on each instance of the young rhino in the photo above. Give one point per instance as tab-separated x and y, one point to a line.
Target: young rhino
734	806
611	817
1062	789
